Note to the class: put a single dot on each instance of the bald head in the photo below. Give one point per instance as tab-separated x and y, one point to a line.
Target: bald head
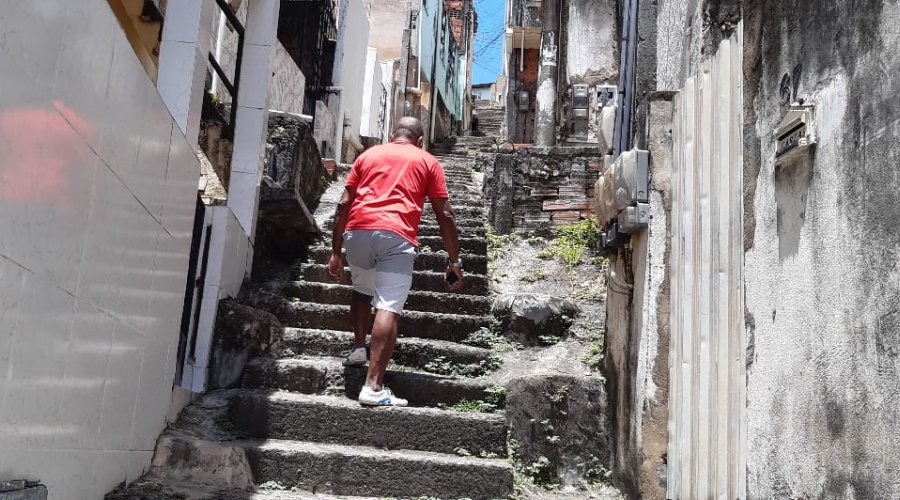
409	129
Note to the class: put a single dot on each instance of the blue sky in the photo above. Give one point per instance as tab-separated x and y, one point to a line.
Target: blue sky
489	40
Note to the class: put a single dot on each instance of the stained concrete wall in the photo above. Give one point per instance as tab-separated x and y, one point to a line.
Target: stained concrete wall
391	18
591	42
822	284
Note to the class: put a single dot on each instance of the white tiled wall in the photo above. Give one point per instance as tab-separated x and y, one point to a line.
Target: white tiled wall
97	195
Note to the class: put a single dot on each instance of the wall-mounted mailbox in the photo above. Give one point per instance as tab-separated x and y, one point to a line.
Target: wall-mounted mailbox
795	133
523	99
634	218
606	95
581	100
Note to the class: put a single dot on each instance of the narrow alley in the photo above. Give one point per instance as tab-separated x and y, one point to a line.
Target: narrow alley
674	222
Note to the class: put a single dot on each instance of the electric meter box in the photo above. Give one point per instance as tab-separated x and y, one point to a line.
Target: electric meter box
523	100
634	218
581	100
631	178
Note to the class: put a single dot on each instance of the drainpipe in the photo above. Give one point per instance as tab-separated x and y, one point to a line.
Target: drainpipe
626	78
404	70
434	88
545	109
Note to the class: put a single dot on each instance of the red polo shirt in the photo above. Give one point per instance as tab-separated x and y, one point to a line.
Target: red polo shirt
392	182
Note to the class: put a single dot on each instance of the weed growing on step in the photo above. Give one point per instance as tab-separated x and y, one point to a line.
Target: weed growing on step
534	275
595	473
489	338
593	357
546	340
228	427
499	247
530	476
571	241
272	486
462	452
494	401
468	406
442	366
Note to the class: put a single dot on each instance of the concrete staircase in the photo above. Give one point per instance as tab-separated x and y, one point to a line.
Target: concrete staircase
490	118
294	424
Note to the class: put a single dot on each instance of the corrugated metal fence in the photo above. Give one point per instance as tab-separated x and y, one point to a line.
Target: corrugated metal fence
706	457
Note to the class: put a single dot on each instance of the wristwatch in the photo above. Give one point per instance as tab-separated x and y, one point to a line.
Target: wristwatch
457	264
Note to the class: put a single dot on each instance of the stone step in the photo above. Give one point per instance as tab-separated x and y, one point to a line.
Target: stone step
461	212
321	375
155	487
437	302
352	470
426	281
476	245
467	226
452	327
470	231
426	261
410	351
198	446
338	420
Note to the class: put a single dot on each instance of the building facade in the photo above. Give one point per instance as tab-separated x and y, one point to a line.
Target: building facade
751	355
136	157
434	68
560	63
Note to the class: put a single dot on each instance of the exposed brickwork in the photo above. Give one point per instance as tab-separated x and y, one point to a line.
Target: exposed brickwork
544	187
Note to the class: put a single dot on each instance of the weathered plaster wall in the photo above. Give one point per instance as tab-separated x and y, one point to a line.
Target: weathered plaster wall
391	18
591	42
822	277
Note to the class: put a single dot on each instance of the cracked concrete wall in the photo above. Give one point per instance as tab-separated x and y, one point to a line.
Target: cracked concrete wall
822	279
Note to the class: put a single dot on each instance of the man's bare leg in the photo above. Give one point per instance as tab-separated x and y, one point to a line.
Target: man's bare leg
362	317
384	338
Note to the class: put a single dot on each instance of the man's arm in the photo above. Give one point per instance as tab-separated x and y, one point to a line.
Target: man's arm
447	221
336	262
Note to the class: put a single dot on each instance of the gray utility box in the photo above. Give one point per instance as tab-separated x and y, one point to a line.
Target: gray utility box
22	490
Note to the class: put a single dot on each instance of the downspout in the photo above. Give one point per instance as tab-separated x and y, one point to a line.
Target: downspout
626	78
434	90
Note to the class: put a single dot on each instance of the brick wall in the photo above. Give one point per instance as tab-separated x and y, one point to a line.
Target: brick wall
536	188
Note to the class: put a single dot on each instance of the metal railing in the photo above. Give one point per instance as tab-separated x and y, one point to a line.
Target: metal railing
232	87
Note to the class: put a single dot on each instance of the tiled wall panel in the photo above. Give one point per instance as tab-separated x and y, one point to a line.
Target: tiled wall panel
97	196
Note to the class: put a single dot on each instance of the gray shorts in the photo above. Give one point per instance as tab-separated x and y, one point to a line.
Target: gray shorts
381	266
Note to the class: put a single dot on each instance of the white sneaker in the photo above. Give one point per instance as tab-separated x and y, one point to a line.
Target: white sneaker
357	357
384	397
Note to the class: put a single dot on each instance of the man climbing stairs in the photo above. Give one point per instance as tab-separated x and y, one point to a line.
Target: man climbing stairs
292	429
